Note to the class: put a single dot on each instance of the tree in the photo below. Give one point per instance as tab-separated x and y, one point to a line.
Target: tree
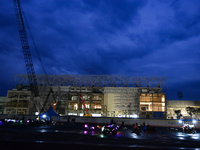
178	113
190	110
198	110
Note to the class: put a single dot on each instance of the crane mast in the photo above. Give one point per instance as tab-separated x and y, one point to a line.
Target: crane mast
27	55
25	47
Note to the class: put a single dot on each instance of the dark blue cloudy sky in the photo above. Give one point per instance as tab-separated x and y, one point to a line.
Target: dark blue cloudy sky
111	37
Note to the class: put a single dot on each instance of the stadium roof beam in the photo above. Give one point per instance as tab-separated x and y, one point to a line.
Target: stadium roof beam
93	80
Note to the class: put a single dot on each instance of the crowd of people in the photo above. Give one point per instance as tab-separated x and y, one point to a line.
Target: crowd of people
136	128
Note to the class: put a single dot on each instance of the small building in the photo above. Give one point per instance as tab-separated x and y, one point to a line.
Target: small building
183	108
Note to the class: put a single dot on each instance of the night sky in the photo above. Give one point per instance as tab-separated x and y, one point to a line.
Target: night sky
107	37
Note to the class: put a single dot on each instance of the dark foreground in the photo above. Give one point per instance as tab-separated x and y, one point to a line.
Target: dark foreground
76	137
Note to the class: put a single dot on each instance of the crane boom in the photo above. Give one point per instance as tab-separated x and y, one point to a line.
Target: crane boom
25	47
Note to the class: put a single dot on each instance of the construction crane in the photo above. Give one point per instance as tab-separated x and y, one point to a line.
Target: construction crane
25	48
27	55
47	99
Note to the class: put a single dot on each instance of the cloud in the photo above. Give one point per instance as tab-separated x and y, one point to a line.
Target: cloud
123	37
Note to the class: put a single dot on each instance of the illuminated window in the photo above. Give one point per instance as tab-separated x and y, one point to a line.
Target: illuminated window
163	99
97	106
85	98
152	102
75	106
96	97
74	98
86	105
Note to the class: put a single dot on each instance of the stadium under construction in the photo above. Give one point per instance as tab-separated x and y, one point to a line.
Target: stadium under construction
96	95
90	95
101	95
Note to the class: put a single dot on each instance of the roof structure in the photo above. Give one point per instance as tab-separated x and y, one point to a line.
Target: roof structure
93	80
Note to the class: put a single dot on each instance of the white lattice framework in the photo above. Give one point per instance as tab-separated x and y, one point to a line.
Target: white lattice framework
93	80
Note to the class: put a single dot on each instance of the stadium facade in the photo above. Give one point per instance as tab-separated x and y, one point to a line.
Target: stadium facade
103	95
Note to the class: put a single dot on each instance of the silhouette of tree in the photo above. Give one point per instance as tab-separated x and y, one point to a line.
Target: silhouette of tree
190	110
198	110
178	113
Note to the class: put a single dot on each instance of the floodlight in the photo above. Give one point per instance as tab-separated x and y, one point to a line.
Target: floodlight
194	121
180	121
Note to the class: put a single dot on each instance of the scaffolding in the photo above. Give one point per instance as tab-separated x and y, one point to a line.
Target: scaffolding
126	88
126	100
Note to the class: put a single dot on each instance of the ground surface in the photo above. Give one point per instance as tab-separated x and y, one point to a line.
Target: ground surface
77	137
